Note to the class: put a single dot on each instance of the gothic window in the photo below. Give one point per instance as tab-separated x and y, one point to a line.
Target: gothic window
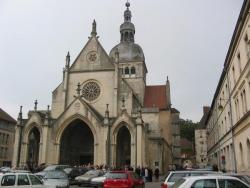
91	91
126	71
132	70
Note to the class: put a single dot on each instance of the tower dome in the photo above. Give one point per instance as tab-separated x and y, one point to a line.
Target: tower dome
128	50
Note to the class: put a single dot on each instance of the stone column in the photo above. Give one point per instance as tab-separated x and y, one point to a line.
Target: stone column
139	146
43	146
16	146
139	140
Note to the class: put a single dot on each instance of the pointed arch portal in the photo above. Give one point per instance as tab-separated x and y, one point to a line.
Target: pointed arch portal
33	147
77	144
123	151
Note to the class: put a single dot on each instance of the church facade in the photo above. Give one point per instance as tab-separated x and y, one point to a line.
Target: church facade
103	112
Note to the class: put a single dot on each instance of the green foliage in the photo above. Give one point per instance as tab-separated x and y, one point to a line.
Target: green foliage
187	128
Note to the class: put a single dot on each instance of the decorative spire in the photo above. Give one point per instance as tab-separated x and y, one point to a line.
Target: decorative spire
127	29
123	103
78	90
67	60
127	13
20	115
93	32
107	111
106	118
35	107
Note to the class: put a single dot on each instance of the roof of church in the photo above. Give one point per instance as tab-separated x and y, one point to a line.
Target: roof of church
155	96
6	117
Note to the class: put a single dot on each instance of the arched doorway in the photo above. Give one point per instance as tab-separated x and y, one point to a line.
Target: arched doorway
123	150
33	147
77	144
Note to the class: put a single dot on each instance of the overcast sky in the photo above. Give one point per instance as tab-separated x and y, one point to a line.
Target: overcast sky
186	40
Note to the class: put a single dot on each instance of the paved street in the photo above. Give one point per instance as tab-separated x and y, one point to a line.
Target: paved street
148	185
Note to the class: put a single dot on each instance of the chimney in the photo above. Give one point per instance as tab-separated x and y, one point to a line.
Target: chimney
206	109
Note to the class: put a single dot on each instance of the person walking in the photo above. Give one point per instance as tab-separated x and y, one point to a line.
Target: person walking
157	172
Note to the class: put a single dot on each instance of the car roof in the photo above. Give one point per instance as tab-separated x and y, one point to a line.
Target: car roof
18	173
192	171
211	177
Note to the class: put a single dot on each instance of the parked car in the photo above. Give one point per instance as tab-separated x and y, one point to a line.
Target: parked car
4	170
126	179
98	181
22	180
174	176
73	172
56	178
242	177
85	179
210	181
56	167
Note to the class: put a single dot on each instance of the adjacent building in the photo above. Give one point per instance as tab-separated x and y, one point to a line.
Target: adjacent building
201	140
7	132
228	121
103	112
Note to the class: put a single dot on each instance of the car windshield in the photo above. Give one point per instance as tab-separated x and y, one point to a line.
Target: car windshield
67	170
49	168
56	175
176	176
92	172
178	183
117	175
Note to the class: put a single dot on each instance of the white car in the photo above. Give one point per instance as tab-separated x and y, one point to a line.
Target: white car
174	176
210	181
22	180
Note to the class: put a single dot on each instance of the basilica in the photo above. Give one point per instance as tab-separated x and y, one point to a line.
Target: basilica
103	112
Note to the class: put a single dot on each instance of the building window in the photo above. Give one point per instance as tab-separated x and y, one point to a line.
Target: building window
132	70
241	156
236	109
126	71
247	45
244	97
239	62
233	72
7	139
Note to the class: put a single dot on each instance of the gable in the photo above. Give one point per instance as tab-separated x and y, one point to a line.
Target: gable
155	96
92	58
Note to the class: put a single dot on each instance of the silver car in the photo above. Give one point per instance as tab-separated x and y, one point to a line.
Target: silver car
56	178
210	181
85	179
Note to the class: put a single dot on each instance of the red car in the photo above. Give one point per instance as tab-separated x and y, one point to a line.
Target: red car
123	179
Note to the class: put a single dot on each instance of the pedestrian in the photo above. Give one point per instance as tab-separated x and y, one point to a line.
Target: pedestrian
157	174
150	174
146	174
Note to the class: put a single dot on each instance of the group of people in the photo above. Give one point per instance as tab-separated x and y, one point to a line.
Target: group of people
147	173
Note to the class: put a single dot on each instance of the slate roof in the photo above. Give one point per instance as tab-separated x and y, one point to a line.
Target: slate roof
155	96
6	117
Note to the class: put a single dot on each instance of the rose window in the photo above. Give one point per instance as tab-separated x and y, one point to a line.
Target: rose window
91	91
